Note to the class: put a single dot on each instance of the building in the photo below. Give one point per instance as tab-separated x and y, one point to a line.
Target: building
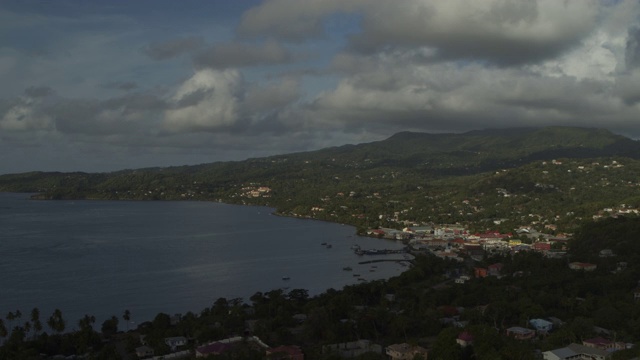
222	346
541	325
290	352
174	342
604	344
521	333
144	351
576	351
494	269
480	272
542	246
582	266
352	349
215	348
464	339
405	351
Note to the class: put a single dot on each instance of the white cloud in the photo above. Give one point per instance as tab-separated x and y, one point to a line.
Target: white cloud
26	115
216	95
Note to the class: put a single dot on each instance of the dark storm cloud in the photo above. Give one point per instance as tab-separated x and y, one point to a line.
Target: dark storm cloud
172	48
500	32
234	55
38	91
131	114
504	33
122	85
632	50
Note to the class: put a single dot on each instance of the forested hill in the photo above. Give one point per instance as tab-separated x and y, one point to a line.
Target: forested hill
423	175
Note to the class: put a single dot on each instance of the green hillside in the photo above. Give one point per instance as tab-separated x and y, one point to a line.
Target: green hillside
409	177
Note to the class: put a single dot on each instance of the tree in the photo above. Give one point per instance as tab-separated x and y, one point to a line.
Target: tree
10	317
86	323
3	329
56	322
35	320
126	317
110	327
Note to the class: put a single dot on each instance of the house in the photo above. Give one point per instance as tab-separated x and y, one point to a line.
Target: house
174	342
606	253
405	351
215	348
576	351
464	339
474	251
222	346
144	351
480	272
290	352
352	349
494	269
521	333
542	246
582	266
604	344
541	325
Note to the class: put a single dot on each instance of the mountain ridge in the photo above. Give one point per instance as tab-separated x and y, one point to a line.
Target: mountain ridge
429	174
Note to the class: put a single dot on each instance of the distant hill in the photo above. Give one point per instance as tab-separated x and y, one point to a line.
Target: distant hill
423	176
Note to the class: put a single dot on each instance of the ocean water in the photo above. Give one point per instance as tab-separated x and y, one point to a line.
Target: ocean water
102	257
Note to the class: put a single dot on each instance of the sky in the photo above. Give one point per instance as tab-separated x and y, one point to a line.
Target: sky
100	86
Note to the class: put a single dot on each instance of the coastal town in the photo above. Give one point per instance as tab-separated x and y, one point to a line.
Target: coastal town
504	257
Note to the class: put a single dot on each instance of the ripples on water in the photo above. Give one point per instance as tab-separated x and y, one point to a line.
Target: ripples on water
102	257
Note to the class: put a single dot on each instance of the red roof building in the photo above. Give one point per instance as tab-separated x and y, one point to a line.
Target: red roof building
289	352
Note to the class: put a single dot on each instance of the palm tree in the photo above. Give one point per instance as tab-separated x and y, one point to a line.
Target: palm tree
86	323
3	330
10	317
35	319
56	322
127	316
27	327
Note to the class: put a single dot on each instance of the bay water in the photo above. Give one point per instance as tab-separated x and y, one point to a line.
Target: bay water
104	257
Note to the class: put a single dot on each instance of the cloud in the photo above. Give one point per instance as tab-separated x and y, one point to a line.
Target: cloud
235	55
25	114
131	115
208	101
172	48
121	85
287	20
499	31
392	95
275	96
632	49
38	91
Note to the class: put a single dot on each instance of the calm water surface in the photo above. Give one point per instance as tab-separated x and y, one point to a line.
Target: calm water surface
102	257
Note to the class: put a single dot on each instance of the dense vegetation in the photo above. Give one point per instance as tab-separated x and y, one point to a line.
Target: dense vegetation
410	177
532	287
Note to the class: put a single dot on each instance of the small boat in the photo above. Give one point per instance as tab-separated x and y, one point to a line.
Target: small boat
347	268
356	275
323	244
329	246
286	278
